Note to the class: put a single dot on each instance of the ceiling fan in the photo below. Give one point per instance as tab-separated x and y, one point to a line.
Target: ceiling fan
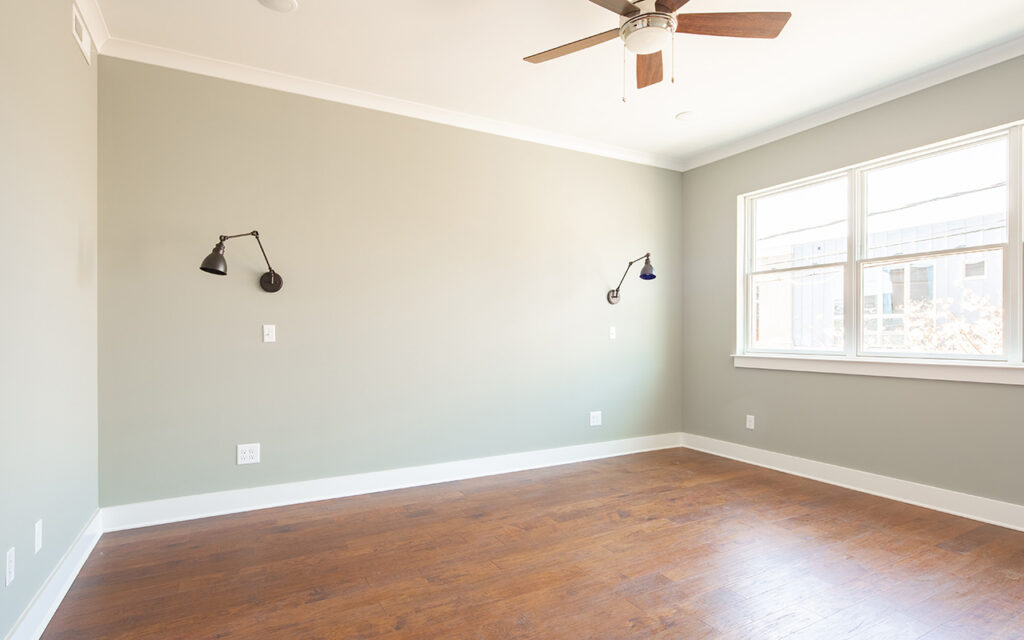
646	27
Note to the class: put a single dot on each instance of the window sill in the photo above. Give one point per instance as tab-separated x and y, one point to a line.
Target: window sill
984	372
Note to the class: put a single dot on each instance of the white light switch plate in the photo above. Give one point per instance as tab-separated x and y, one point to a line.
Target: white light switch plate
611	333
750	422
249	453
39	535
595	418
270	333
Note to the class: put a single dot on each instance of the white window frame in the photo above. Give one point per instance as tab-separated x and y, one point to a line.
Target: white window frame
1003	369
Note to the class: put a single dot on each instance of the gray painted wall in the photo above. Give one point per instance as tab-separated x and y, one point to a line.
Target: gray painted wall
48	433
961	436
443	298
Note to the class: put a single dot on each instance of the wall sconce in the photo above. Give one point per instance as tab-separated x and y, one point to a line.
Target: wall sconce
646	273
216	264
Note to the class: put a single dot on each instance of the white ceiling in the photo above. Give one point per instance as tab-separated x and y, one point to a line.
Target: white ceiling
465	56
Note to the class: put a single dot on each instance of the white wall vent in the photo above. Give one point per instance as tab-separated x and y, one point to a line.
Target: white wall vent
81	33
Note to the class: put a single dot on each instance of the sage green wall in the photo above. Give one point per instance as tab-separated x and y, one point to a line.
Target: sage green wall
963	436
443	298
48	434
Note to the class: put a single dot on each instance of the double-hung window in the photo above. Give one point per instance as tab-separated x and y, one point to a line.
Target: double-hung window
911	258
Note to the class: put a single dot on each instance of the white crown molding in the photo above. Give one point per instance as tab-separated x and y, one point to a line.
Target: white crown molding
94	22
944	73
37	615
1003	514
174	59
143	514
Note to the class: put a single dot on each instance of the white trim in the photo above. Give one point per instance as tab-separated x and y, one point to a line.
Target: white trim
1003	514
743	252
37	615
856	356
922	256
916	153
955	371
1012	260
182	61
144	514
92	15
174	59
974	62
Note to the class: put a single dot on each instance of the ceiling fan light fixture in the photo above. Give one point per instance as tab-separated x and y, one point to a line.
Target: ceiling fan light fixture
648	32
283	6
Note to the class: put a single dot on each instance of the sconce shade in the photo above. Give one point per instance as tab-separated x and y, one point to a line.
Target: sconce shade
215	262
647	273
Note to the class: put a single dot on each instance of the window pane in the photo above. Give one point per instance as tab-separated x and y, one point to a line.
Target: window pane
954	199
801	227
797	310
974	269
929	306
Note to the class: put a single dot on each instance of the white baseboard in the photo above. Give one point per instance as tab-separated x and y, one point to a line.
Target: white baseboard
144	514
1004	514
33	621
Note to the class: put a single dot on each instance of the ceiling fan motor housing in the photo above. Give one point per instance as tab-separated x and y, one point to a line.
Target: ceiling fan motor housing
649	31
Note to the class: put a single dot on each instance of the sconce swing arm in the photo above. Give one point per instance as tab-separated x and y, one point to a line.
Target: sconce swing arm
647	273
270	281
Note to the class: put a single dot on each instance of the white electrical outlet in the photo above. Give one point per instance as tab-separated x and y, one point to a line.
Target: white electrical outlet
595	418
249	453
750	422
39	535
611	333
10	567
269	333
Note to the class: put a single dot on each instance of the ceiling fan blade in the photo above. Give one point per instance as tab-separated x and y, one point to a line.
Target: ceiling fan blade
669	6
648	69
573	47
621	7
735	25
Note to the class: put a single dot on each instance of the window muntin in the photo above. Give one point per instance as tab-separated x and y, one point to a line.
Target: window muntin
922	268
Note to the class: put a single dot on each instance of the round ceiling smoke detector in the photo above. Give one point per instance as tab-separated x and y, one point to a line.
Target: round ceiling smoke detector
284	6
648	32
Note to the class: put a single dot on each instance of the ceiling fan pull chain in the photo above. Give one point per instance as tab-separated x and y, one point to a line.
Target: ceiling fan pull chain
673	45
623	72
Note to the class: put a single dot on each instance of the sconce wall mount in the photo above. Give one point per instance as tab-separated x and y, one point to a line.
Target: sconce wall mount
646	273
215	263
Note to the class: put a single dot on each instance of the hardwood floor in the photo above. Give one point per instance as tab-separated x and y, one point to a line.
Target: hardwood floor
668	544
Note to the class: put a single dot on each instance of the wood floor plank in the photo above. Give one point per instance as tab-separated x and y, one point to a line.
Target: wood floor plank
667	544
